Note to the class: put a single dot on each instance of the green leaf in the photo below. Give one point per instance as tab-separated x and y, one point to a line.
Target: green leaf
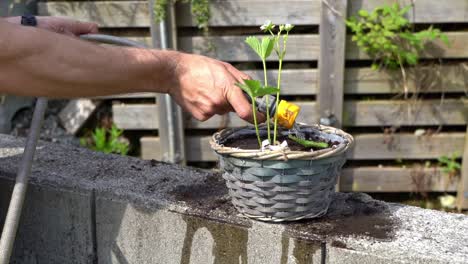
308	143
443	159
246	89
99	137
267	90
405	10
444	39
251	87
268	44
254	43
363	13
412	58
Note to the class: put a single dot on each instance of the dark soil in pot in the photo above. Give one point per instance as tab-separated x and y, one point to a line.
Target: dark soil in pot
251	142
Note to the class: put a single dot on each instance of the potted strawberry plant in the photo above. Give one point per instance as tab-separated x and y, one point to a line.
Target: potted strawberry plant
280	170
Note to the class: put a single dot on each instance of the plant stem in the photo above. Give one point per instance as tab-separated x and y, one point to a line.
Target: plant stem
403	73
280	57
268	103
254	111
275	129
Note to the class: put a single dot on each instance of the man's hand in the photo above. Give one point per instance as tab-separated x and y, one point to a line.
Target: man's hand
205	87
61	25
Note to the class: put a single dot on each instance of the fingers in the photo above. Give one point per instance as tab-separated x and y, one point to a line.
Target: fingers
80	28
237	98
240	76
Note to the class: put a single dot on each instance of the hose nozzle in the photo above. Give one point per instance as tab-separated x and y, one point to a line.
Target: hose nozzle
287	111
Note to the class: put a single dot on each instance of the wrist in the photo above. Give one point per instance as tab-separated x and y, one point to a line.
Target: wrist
164	77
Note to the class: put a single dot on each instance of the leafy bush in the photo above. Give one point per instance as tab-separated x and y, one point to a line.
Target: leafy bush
450	165
387	37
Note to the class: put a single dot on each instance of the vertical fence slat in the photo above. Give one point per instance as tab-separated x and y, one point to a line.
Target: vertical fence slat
462	195
332	62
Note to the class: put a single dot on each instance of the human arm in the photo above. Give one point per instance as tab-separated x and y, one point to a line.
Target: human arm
35	62
61	25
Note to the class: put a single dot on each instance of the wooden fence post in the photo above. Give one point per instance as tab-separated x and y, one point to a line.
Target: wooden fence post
332	62
462	194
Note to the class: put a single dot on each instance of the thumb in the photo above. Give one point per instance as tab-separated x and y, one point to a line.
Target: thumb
237	99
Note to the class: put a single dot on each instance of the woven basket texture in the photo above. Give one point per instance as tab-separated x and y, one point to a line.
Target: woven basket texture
282	190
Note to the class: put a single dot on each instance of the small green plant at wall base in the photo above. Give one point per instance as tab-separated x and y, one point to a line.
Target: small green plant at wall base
200	9
263	48
450	165
386	36
107	141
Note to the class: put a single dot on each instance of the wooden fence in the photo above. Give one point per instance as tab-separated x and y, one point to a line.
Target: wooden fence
361	99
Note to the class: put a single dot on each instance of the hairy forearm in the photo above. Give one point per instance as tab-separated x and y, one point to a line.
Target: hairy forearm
35	62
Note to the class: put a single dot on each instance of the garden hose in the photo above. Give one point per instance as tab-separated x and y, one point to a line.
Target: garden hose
19	191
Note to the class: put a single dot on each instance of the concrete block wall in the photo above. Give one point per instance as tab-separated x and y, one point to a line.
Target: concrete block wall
87	207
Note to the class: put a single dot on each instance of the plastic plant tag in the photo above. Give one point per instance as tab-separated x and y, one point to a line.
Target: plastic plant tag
281	146
287	113
265	144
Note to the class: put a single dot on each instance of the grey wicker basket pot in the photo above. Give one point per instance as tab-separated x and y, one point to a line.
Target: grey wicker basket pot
281	185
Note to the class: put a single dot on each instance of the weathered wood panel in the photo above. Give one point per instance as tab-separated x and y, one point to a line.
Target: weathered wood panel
107	14
293	81
447	79
142	116
301	47
356	113
367	147
395	179
393	112
244	12
427	11
307	48
233	48
252	13
332	63
135	116
452	78
405	146
433	79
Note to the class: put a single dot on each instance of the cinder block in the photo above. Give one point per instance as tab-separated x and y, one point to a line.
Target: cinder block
126	234
55	227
